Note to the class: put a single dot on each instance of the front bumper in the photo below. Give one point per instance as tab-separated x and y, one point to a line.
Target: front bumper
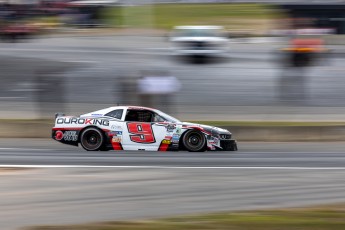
228	145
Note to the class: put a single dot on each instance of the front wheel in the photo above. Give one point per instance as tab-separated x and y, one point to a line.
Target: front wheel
194	141
92	139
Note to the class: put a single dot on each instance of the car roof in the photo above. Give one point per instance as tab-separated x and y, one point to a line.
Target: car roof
131	107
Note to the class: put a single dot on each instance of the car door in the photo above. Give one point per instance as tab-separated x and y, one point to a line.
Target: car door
141	132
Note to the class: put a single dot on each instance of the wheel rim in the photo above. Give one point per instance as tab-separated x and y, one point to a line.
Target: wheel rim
92	140
194	141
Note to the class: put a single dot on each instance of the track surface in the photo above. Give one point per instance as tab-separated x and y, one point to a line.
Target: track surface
152	184
46	152
52	157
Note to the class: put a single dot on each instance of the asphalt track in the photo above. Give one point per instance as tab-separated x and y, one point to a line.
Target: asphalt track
49	153
61	184
79	158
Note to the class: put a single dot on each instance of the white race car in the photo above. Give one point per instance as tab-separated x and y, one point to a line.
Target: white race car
138	128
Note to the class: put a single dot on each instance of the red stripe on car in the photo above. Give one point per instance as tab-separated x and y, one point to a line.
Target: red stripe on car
163	147
117	146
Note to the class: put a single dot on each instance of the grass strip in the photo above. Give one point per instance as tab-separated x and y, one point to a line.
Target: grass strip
167	16
316	218
244	16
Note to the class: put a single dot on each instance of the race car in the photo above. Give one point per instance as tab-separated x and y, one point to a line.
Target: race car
138	128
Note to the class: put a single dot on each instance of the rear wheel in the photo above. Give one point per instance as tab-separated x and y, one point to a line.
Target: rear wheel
92	139
194	141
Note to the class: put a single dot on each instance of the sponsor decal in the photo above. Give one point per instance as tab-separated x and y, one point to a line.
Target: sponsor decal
175	138
82	121
178	130
116	127
70	136
58	135
115	133
216	141
168	138
175	145
116	139
213	141
167	142
170	128
97	114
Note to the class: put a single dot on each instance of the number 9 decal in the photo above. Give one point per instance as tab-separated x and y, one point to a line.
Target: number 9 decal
141	132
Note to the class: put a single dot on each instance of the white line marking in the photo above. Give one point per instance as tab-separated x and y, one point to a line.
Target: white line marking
12	97
26	149
170	167
157	153
139	51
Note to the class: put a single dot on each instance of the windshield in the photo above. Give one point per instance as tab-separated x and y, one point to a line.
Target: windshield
167	117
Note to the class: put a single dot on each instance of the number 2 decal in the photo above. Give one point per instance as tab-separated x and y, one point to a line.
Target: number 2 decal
141	132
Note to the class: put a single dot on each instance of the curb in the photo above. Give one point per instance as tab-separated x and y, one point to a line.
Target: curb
37	129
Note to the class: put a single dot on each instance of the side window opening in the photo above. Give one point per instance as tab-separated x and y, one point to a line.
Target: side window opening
158	118
139	115
115	114
131	116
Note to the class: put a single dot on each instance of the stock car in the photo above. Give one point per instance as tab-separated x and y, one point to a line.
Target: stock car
138	128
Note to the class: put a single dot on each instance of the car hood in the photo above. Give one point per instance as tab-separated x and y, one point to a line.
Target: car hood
207	127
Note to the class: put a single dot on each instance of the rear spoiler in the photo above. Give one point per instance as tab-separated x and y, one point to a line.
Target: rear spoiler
59	115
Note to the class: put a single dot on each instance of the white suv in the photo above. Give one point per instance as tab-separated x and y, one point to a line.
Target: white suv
205	41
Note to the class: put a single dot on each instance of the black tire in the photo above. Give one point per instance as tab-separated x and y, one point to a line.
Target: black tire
92	139
194	141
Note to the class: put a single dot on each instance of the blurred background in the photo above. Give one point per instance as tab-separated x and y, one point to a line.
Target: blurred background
254	62
197	59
